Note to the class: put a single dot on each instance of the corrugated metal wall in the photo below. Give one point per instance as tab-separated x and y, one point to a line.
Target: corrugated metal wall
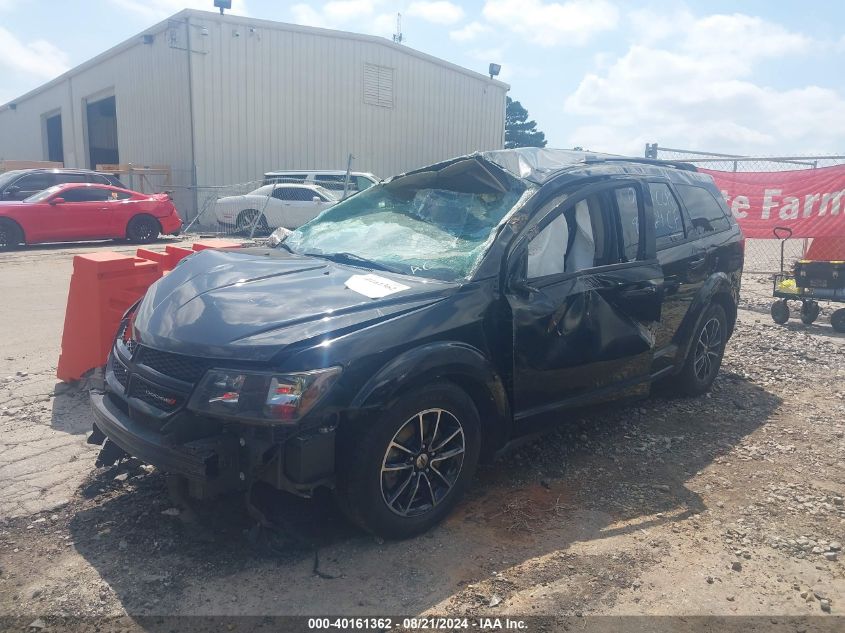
270	96
148	82
265	96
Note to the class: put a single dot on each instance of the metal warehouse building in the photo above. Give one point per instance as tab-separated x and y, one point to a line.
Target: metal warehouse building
222	99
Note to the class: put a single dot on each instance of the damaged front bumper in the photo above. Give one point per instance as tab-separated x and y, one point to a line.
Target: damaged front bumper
225	462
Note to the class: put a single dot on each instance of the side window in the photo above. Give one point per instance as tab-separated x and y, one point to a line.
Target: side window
705	212
363	183
35	182
283	178
117	195
333	181
283	193
668	223
86	194
629	220
576	239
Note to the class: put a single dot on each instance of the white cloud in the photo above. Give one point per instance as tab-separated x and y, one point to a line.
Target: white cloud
360	15
469	32
343	10
438	12
39	58
159	9
693	87
553	23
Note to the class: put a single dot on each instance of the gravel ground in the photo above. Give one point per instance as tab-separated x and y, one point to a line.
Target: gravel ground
727	504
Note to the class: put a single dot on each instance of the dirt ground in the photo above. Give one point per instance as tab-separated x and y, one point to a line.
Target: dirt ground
726	504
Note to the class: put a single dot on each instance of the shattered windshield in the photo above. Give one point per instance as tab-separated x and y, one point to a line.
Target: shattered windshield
428	224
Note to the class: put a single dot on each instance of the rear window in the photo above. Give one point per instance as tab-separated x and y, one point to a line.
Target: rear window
270	179
668	223
705	212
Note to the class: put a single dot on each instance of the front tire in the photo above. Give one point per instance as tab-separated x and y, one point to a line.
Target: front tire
247	218
142	229
780	312
406	472
706	351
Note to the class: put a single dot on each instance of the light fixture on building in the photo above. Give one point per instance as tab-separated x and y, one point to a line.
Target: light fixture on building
494	70
147	38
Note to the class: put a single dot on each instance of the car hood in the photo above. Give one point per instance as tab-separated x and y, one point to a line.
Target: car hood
251	304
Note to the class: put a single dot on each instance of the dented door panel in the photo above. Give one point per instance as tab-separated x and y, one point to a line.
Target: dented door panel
592	332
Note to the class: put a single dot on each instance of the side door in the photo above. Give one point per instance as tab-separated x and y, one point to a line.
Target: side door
585	294
681	261
300	207
120	208
85	213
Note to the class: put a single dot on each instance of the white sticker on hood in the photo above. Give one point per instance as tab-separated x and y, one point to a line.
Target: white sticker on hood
374	286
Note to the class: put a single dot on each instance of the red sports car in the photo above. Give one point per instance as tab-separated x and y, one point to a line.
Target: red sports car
80	211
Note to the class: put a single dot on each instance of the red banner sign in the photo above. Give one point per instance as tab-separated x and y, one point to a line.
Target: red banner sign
811	202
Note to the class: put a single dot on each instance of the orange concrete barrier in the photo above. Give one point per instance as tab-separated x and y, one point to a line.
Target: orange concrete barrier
201	245
102	287
177	254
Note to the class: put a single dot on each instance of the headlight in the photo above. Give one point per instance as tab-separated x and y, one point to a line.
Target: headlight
262	397
278	236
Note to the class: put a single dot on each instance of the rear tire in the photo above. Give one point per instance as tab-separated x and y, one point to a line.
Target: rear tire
142	229
406	471
11	235
837	320
705	354
780	312
809	312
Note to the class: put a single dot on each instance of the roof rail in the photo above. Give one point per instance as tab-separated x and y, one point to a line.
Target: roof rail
648	161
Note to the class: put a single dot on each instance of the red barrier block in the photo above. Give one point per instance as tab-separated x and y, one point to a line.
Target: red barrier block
102	287
201	245
163	259
177	254
826	249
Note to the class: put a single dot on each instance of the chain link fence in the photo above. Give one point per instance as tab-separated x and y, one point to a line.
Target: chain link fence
256	208
761	255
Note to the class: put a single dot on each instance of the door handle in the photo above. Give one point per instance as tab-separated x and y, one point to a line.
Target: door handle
700	257
645	291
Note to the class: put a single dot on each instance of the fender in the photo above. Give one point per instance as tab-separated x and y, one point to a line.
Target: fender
717	284
461	363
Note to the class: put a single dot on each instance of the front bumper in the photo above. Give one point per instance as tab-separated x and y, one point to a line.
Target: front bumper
208	460
230	459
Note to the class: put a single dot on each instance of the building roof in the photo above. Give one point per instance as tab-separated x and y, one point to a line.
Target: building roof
248	22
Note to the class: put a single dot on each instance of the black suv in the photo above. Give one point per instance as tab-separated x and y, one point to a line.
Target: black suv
386	346
20	184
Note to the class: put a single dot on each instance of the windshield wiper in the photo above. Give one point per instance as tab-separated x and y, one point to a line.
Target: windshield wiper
351	258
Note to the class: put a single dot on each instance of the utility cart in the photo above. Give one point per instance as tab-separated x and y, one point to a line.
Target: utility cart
810	282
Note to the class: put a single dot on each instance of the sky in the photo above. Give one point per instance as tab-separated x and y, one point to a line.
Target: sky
757	77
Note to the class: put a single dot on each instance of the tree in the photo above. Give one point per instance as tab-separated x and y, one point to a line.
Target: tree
519	131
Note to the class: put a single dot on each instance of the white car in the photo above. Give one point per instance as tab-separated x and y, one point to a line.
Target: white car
288	206
331	179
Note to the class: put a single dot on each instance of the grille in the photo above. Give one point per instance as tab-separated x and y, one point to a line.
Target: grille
120	372
155	396
128	343
174	365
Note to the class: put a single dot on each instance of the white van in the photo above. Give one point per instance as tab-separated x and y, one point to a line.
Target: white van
330	179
